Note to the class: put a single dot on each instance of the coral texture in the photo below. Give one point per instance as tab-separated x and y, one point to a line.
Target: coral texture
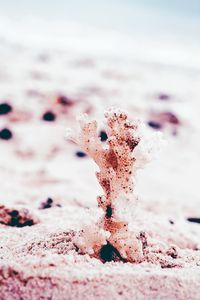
118	159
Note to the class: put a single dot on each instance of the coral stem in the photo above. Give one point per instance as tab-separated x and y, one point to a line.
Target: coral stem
116	158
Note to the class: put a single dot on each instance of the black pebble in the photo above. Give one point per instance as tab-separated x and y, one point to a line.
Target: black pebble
15	222
5	108
194	220
103	136
47	204
108	211
14	213
80	154
5	134
49	116
109	253
154	125
171	222
27	223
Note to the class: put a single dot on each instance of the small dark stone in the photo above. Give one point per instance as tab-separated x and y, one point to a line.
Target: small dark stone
28	223
64	100
49	116
170	118
163	97
5	134
103	136
81	154
108	211
154	125
171	222
194	220
109	253
14	213
14	222
5	108
47	204
49	200
16	218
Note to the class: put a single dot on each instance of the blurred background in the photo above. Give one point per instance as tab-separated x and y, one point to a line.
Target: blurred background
61	58
155	29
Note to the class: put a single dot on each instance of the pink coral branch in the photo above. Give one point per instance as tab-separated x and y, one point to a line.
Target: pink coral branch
116	160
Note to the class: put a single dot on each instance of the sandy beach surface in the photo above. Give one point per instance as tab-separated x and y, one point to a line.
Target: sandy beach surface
49	188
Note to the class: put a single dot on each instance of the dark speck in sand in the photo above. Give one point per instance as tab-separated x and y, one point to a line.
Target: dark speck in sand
15	223
171	222
49	116
154	125
47	204
103	136
194	220
80	154
64	100
109	212
14	213
16	220
109	253
163	97
5	134
5	108
169	117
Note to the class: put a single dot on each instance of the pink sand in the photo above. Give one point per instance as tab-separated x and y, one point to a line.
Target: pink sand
40	261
